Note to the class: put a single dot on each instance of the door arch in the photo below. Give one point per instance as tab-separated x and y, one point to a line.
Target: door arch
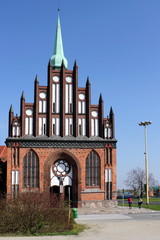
62	172
61	175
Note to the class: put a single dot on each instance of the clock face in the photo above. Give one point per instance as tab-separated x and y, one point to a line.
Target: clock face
81	96
94	113
42	95
56	78
29	112
69	79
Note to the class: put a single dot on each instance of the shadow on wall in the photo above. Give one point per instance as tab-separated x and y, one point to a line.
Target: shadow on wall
3	172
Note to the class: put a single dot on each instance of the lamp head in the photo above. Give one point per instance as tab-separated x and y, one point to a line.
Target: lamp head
145	123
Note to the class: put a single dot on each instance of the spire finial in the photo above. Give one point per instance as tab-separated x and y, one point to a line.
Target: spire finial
22	96
11	108
75	64
36	79
100	98
88	82
111	111
58	54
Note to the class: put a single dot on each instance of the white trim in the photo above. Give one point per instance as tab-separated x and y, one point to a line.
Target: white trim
83	107
40	126
83	127
30	126
108	175
44	106
67	98
67	121
92	127
70	93
53	93
40	106
26	126
57	126
96	127
58	99
79	107
15	177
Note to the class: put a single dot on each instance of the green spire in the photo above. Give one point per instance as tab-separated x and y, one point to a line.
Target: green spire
58	54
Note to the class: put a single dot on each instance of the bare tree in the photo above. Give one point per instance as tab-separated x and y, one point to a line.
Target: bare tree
136	179
152	181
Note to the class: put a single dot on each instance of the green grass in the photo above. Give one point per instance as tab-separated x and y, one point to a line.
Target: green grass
77	228
144	199
155	207
153	199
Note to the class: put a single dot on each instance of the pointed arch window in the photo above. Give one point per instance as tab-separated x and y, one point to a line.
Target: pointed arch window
69	96
56	97
16	129
93	170
107	130
42	126
82	126
30	170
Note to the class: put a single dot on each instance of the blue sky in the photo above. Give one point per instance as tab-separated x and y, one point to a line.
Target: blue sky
115	42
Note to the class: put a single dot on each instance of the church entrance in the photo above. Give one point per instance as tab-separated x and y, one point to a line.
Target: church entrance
66	194
62	179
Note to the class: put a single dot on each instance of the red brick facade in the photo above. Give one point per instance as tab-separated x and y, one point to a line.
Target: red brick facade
77	158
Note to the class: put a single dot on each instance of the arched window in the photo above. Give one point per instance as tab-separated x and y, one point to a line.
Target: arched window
16	129
93	170
31	170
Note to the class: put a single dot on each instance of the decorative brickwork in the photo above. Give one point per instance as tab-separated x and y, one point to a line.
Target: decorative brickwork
61	143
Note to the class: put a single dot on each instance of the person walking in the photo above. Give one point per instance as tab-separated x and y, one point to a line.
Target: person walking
130	202
140	201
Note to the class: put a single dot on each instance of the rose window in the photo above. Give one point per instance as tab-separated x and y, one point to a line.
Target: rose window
61	168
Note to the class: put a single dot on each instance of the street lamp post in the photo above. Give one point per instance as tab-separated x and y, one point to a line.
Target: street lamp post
146	157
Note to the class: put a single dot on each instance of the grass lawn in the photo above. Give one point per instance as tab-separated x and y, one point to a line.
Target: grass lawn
77	228
151	206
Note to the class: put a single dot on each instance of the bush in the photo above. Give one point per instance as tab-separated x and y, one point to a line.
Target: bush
32	213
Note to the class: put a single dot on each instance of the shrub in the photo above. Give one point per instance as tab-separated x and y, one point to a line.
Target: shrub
32	213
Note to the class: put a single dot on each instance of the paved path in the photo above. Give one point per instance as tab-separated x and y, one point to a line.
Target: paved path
115	210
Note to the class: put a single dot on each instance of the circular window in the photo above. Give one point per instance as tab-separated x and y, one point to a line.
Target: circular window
81	96
61	168
56	78
29	112
42	95
69	79
94	113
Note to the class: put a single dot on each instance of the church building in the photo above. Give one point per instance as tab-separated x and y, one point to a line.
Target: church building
61	143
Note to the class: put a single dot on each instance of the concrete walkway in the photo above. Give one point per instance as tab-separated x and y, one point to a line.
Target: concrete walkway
115	210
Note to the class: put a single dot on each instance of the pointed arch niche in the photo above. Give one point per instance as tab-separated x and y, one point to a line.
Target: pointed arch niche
57	164
93	170
31	170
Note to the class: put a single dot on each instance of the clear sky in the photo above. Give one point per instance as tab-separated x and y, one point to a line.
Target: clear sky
115	42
